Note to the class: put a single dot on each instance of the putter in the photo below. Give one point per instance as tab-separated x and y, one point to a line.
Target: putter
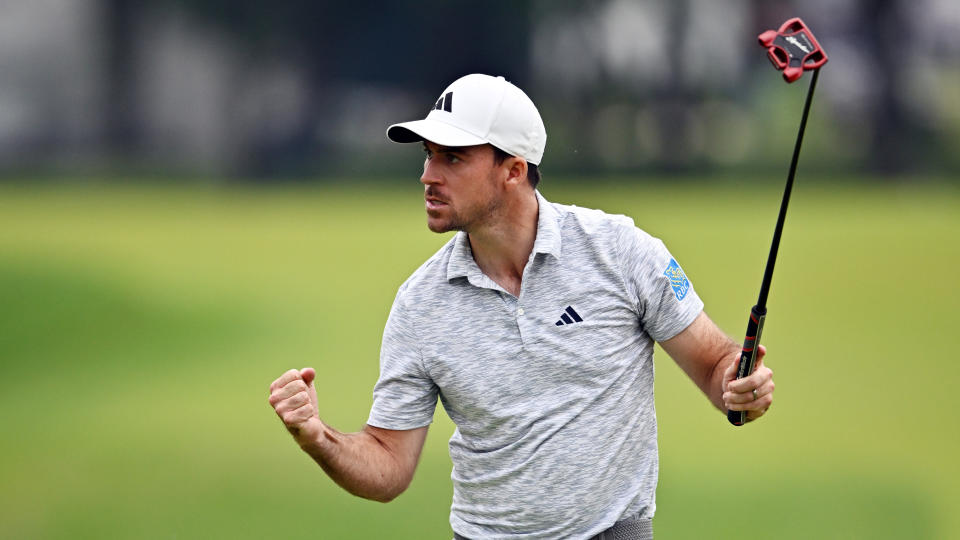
792	49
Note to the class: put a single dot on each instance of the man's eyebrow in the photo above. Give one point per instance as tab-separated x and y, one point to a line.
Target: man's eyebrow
447	149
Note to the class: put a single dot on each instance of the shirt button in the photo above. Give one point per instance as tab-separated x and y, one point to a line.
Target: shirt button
520	312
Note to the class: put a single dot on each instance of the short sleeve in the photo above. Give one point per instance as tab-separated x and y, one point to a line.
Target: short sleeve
665	299
404	397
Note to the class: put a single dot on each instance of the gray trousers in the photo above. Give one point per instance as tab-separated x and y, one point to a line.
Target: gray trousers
628	529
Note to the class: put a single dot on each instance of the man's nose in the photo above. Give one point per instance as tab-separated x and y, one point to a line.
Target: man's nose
430	173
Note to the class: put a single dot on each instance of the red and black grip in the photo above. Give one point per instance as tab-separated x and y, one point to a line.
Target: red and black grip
748	356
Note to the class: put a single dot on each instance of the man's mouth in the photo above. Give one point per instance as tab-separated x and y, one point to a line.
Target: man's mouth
434	203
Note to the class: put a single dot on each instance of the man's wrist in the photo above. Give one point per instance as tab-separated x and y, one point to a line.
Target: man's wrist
309	433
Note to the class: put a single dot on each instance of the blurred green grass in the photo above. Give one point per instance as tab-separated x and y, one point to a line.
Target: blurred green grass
141	326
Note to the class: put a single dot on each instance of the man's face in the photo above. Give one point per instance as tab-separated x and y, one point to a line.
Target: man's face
461	186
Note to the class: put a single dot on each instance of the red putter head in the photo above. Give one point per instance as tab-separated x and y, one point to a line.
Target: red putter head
793	49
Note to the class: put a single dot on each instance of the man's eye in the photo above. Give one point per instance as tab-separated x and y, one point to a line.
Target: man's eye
452	158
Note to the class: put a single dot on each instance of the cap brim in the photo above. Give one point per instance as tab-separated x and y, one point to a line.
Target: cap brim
433	131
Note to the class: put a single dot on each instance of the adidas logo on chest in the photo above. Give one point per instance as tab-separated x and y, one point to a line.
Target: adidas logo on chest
569	316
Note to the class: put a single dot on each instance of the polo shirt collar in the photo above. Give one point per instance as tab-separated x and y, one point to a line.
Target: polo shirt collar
461	262
548	228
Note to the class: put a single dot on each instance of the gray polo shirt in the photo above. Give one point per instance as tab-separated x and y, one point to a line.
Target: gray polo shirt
551	391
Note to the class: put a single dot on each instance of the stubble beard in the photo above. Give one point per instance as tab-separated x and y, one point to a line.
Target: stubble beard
471	219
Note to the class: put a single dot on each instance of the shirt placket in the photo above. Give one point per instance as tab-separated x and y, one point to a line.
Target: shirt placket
526	324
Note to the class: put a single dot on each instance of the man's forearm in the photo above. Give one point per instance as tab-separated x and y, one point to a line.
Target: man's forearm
357	462
375	463
704	352
727	353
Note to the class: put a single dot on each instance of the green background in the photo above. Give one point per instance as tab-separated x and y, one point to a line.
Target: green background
140	327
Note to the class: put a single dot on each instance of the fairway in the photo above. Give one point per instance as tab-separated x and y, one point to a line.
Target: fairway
140	327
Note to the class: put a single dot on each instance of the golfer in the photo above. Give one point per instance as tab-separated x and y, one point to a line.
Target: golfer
535	326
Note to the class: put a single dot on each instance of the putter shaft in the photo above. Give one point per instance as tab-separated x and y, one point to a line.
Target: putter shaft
778	231
751	343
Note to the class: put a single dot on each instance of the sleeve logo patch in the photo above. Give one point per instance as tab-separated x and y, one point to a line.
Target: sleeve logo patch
678	280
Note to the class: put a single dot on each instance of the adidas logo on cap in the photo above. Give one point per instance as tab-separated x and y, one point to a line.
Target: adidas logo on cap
445	103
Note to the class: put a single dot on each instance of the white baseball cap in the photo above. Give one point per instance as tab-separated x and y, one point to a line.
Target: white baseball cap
479	109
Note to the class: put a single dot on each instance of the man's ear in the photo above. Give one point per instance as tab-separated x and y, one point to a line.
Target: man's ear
517	170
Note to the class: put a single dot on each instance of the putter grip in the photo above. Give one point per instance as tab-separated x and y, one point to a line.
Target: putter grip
748	356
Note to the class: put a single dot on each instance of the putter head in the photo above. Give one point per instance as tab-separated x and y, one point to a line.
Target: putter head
792	49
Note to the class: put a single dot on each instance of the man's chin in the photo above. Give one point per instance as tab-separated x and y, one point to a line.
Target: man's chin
441	225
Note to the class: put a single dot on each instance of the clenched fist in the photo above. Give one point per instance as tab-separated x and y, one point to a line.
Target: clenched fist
294	399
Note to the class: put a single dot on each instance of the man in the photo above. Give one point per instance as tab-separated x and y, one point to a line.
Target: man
535	326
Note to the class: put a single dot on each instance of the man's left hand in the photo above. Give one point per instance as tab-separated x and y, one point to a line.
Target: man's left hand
753	393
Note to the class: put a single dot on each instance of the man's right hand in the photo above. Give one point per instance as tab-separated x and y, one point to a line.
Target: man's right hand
294	399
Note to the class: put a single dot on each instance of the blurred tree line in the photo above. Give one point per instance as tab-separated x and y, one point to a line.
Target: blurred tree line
246	88
412	44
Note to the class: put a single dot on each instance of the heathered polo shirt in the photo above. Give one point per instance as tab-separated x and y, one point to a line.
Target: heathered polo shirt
551	391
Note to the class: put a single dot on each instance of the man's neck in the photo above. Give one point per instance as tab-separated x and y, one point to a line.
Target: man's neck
502	248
